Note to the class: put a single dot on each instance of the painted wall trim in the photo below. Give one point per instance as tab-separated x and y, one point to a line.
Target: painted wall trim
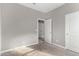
59	45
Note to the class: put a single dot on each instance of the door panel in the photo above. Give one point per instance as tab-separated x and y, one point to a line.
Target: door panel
48	31
73	36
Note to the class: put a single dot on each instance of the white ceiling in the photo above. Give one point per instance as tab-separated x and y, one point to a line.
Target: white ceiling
43	7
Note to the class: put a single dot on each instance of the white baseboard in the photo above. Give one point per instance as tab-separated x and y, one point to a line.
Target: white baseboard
58	45
15	47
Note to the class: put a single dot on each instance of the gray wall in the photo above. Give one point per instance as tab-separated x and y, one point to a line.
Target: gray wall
58	17
0	28
17	21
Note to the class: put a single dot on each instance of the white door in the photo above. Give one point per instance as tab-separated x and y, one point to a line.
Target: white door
48	32
72	31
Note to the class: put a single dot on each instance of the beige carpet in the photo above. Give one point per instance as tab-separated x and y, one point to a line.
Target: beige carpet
24	51
38	53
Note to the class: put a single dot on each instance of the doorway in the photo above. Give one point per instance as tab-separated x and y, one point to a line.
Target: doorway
41	29
45	30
